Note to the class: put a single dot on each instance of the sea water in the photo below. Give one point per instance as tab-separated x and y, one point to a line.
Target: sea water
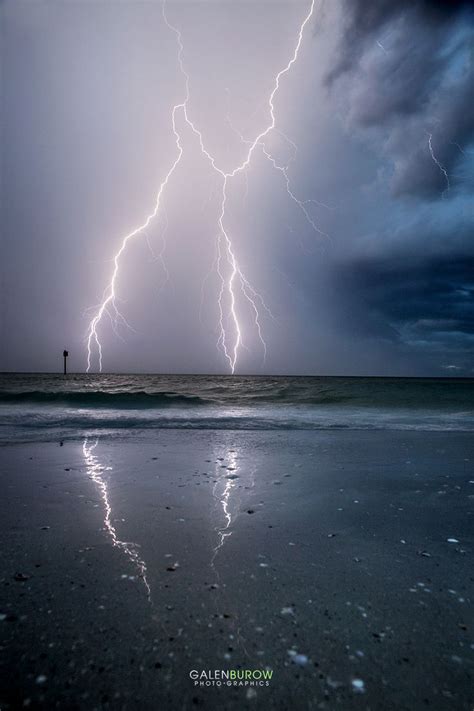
45	406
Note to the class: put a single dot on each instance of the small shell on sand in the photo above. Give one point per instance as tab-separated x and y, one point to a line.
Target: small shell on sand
358	685
299	659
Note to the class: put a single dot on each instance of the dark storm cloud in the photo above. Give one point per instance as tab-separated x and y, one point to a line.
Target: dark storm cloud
425	304
451	134
408	72
363	20
404	78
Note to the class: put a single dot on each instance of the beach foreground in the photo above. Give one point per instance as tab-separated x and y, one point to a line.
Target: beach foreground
341	560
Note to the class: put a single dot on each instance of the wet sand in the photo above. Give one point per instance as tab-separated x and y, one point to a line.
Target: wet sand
342	561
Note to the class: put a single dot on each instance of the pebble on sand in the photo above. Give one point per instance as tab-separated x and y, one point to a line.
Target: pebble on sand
299	659
452	540
358	685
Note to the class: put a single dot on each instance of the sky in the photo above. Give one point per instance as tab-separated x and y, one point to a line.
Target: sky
374	120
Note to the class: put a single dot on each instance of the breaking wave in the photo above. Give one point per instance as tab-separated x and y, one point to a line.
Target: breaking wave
102	399
32	404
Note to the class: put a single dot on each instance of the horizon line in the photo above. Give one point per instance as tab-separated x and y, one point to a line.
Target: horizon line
234	375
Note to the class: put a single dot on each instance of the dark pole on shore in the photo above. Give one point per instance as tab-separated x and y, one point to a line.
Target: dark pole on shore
65	355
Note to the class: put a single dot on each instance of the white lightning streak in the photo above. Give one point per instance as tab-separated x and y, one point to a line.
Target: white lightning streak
110	292
440	166
271	106
301	204
231	352
225	250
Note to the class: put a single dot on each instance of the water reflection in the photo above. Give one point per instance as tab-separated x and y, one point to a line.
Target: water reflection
231	481
226	473
96	472
226	477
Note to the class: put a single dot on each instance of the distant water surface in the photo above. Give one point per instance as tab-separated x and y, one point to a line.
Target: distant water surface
41	406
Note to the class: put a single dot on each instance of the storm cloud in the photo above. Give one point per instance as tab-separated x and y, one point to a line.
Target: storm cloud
406	71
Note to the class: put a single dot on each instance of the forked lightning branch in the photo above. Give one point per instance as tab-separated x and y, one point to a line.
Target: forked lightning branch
235	293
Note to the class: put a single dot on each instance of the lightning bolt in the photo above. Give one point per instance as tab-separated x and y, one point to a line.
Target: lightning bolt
232	280
301	204
110	296
440	165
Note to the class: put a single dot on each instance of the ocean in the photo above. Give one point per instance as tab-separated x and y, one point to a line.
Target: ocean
46	407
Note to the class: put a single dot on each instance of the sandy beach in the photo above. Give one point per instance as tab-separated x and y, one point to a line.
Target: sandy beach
341	561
